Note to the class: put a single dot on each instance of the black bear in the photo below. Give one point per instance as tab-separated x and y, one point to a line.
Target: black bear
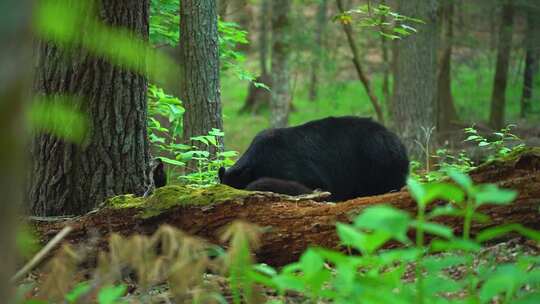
346	156
280	186
158	173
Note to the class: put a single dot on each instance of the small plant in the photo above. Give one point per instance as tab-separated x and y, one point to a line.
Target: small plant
499	146
207	164
377	275
390	24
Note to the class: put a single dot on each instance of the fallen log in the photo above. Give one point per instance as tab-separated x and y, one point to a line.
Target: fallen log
293	223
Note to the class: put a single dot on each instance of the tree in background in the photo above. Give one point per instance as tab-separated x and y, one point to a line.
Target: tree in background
69	179
446	109
414	103
199	56
498	98
281	96
14	87
320	30
532	55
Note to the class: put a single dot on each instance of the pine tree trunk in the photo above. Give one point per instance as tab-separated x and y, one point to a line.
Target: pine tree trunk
281	96
199	54
71	179
15	60
321	19
414	103
498	98
447	110
532	40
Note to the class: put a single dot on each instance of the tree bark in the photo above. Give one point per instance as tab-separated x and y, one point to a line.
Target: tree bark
447	110
199	54
498	98
320	30
359	71
532	40
297	224
15	83
414	105
70	179
281	96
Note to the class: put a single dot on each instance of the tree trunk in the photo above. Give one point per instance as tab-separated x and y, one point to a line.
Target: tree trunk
532	41
297	224
447	110
281	96
15	75
498	98
321	19
199	54
414	103
70	179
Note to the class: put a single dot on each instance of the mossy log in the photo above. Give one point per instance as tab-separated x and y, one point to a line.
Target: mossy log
293	223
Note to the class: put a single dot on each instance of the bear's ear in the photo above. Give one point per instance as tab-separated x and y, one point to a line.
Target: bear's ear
221	174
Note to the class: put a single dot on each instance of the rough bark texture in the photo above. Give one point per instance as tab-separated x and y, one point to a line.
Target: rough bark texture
15	84
70	179
320	29
498	98
359	71
414	107
199	54
447	111
532	42
294	225
281	96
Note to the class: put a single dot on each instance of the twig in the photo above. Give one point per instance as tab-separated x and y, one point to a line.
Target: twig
41	254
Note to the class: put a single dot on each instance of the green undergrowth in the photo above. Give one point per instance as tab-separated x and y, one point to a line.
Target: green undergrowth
174	196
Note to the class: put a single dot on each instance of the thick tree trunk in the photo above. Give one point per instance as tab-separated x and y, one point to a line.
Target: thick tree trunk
15	85
414	105
532	41
199	54
447	110
320	30
281	96
359	71
297	224
498	98
70	179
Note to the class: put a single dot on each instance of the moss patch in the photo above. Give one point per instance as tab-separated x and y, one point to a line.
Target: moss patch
169	197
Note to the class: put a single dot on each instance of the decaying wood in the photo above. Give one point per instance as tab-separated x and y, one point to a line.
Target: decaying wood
293	225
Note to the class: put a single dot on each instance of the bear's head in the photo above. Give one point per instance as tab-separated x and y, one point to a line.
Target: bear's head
236	178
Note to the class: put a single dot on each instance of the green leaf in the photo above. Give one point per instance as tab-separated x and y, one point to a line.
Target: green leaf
417	191
111	294
387	219
491	194
495	232
505	279
443	191
77	291
455	244
435	229
461	179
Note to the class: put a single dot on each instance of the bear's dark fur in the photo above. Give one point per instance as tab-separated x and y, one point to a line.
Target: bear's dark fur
280	186
346	156
158	173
